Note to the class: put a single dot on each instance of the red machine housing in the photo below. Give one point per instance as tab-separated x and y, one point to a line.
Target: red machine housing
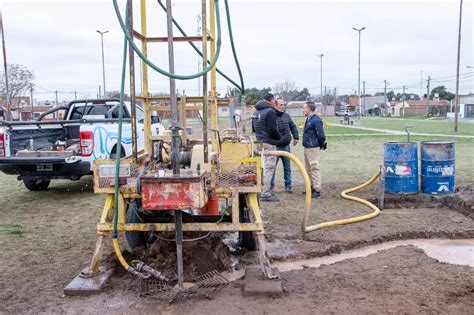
171	192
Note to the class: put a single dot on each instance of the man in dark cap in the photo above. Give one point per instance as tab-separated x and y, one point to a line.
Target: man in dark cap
265	128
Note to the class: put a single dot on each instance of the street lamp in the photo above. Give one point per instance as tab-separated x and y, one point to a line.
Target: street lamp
321	80
358	81
103	63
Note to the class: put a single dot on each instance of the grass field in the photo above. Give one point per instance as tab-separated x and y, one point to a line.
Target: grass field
55	229
445	127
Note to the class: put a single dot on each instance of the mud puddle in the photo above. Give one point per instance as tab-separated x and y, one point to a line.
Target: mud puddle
457	252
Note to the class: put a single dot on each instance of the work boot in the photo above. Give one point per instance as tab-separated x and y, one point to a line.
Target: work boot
315	194
288	190
272	192
269	198
312	190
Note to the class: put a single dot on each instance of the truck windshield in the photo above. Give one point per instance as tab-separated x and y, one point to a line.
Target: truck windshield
96	111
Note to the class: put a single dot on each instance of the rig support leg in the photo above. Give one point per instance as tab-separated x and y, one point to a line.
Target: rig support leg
262	250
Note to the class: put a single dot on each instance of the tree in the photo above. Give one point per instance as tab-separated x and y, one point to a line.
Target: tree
406	96
443	93
116	94
253	95
20	80
285	90
302	95
289	92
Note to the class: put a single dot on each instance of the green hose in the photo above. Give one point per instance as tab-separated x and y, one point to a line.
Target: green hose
180	29
231	36
119	135
158	69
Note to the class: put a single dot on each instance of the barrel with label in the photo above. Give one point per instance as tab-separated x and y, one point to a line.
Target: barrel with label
401	167
437	167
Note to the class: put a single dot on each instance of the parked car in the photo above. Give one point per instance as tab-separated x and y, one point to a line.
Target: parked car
39	151
345	112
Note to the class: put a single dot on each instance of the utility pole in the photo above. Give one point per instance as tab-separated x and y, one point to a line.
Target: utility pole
5	68
421	85
358	81
456	110
75	95
31	101
321	79
385	92
428	94
100	91
428	89
363	93
103	62
403	100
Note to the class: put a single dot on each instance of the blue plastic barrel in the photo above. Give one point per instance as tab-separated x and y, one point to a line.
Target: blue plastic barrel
401	167
438	167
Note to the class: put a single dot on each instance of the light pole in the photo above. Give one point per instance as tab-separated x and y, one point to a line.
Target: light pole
103	63
358	81
321	80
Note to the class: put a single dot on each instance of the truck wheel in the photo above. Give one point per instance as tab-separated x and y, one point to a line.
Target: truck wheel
134	239
246	239
36	184
113	154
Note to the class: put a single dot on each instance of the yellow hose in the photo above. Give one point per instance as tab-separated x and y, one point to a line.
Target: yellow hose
307	184
344	195
356	199
119	255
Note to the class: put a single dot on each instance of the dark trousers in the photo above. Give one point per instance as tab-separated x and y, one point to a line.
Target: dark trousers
286	168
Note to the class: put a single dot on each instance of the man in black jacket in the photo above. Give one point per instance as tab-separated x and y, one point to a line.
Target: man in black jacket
265	128
314	140
287	130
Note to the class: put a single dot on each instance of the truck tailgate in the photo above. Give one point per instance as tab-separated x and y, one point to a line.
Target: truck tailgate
50	167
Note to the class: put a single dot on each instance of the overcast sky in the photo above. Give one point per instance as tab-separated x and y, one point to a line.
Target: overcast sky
276	41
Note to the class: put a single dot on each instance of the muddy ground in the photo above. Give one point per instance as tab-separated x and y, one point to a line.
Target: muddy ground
400	280
39	259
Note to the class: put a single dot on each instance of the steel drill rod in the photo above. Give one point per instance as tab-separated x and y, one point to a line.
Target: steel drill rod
179	247
174	103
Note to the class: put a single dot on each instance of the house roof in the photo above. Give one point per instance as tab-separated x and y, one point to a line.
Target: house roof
36	108
424	102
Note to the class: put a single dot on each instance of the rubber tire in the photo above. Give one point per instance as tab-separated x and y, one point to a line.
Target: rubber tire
247	238
134	239
113	154
36	184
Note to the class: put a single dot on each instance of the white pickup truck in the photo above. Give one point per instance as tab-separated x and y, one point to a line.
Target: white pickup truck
42	150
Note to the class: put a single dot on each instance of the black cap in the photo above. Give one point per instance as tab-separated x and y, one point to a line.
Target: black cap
268	97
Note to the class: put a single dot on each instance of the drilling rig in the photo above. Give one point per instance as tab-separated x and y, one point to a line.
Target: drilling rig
179	183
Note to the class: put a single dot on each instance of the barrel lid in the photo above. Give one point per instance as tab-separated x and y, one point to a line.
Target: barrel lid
434	142
399	142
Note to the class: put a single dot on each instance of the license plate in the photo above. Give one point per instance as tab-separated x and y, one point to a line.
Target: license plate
44	167
108	170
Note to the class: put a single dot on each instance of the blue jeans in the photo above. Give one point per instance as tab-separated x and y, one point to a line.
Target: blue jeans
286	168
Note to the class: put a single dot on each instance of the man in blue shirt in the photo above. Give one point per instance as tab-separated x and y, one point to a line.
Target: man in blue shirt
314	140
